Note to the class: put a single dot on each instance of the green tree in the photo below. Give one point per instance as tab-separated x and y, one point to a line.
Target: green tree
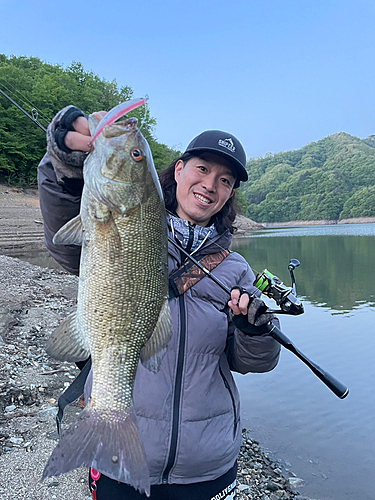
314	182
361	204
33	83
241	203
162	154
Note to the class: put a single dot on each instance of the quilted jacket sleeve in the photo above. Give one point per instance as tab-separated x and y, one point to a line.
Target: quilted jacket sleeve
58	206
60	183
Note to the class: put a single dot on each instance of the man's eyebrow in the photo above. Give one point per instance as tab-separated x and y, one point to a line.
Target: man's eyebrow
229	172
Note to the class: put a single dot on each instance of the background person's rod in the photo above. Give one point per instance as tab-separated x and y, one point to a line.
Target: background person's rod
329	380
23	111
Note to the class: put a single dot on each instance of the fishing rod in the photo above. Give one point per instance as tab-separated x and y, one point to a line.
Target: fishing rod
23	111
271	286
285	298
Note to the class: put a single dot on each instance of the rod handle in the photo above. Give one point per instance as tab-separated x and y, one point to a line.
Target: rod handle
329	380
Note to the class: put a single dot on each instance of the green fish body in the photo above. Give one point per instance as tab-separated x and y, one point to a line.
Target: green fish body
122	311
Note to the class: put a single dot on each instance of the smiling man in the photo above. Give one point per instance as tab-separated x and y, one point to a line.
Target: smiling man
204	184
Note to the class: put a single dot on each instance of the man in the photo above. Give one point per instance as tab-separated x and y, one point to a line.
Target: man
188	413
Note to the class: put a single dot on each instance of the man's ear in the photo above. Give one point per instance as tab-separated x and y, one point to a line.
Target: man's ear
177	169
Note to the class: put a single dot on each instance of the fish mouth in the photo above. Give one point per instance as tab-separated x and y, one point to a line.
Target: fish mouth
128	123
121	127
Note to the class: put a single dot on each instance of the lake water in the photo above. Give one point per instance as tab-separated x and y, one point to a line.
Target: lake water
328	442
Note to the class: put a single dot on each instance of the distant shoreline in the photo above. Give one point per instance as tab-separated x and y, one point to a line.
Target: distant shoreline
21	223
324	222
245	226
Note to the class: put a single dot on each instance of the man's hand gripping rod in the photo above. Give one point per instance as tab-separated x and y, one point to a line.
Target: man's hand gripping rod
331	382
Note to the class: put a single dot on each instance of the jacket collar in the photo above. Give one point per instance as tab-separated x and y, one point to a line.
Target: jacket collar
205	239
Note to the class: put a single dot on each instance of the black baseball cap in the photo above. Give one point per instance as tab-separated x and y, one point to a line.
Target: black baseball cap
225	145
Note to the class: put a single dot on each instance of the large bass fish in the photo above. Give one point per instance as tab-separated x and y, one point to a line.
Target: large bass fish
122	312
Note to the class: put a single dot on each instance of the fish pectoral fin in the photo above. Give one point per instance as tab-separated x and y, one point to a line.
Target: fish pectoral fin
71	233
67	343
153	351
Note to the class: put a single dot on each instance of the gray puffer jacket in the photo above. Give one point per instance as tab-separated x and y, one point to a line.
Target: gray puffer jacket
189	412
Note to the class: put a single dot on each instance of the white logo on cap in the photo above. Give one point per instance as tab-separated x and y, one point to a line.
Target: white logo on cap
227	143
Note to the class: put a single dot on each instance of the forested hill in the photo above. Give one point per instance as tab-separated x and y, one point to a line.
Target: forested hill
47	88
333	178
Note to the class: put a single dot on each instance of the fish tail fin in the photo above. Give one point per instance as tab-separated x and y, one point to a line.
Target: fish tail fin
106	440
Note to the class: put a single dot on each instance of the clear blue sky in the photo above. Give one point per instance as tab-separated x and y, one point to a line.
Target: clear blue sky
278	74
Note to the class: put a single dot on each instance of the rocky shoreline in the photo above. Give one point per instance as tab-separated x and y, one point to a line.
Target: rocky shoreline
323	222
33	301
261	478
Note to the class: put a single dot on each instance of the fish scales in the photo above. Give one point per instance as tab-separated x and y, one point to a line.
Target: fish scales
122	309
127	305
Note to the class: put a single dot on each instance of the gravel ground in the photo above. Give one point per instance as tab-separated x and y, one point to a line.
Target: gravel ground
33	300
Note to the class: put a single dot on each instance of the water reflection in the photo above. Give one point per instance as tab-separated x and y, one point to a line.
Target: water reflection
336	262
328	441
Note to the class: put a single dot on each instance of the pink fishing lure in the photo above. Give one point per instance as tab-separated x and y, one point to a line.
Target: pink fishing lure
116	113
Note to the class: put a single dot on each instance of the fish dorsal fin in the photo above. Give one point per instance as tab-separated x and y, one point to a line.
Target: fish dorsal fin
67	343
71	233
153	351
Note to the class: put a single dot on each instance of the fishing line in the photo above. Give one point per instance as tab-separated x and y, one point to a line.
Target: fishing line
23	111
222	248
12	90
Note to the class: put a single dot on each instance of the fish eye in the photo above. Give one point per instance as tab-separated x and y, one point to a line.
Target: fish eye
136	154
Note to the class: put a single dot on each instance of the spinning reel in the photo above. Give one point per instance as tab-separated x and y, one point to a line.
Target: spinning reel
285	297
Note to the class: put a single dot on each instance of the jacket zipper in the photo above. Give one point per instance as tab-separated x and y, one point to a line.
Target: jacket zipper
226	383
189	244
177	392
179	372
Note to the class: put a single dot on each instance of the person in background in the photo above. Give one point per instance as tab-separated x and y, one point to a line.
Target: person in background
188	413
